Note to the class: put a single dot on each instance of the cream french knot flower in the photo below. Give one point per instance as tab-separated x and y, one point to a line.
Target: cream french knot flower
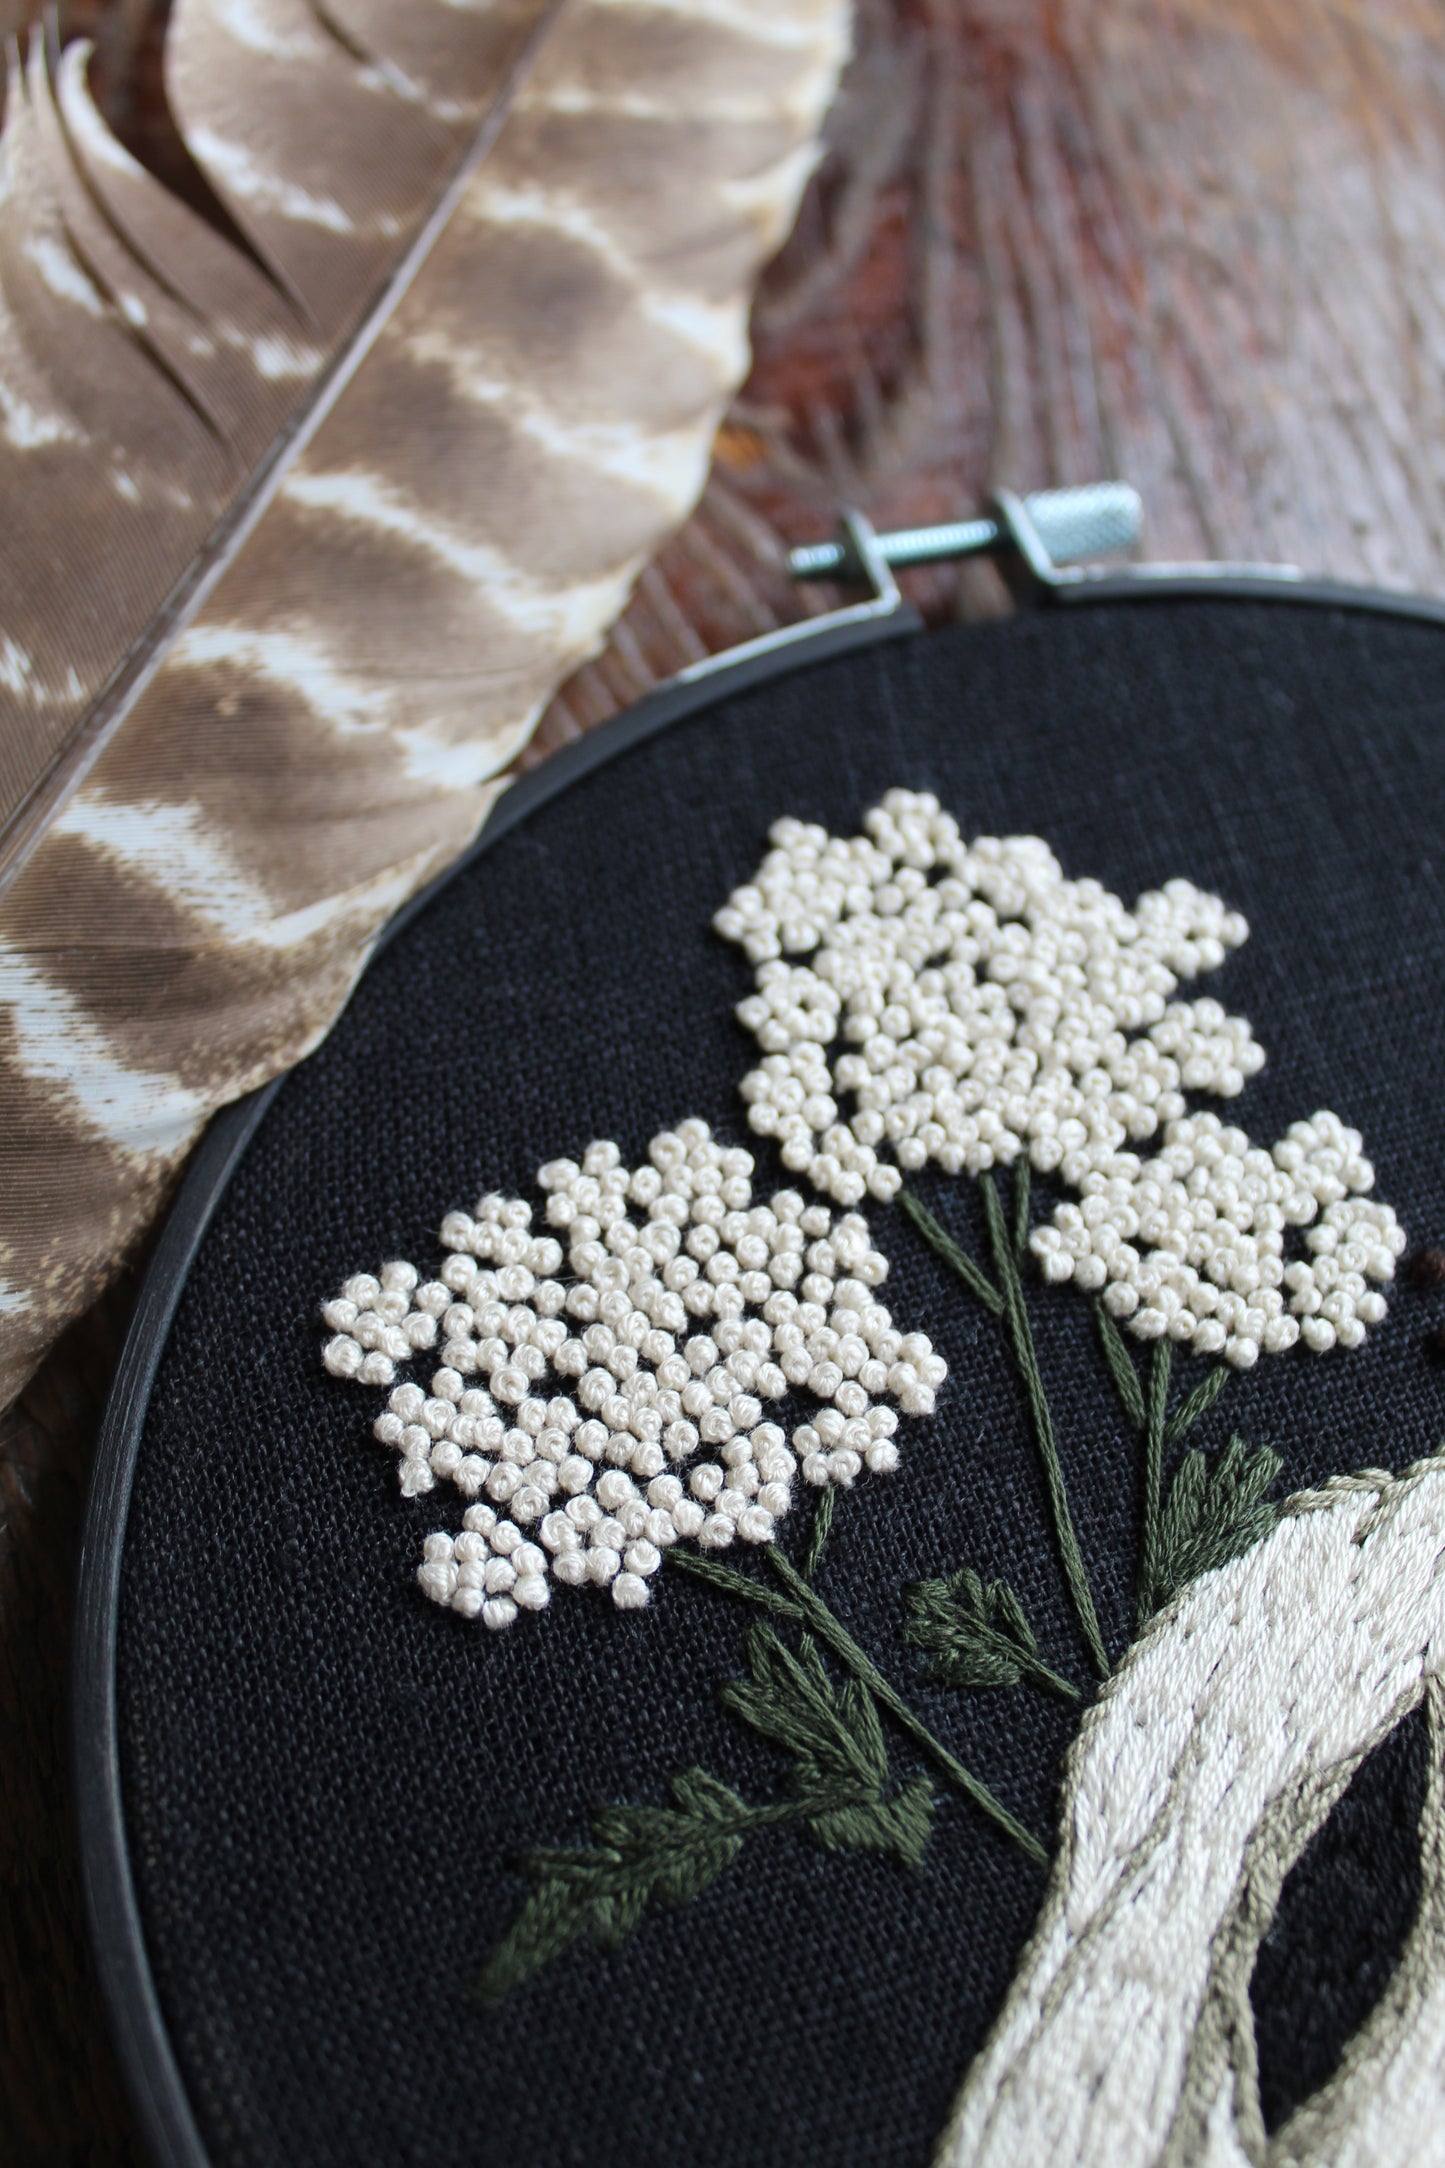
922	999
602	1391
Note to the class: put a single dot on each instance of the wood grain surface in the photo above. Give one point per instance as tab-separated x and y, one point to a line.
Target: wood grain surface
1200	245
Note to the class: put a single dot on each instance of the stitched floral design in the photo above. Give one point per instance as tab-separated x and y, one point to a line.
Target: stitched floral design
966	1005
624	1407
972	1006
623	1415
621	1386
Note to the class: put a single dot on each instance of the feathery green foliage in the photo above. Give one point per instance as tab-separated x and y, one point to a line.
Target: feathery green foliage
840	1775
839	1792
641	1856
976	1634
1213	1515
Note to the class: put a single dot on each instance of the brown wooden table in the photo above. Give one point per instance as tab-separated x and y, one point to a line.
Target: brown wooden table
1200	245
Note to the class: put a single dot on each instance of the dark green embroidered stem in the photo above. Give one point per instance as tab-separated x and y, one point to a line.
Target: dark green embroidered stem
1200	1401
818	1535
830	1630
1023	1197
1021	1334
1126	1383
729	1582
1153	1477
1121	1365
1159	1435
976	1281
806	1608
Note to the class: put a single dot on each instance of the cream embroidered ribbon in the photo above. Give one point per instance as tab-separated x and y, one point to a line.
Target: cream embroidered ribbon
1213	1755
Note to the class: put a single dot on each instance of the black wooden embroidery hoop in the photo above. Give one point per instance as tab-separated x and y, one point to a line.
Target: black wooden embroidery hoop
145	2049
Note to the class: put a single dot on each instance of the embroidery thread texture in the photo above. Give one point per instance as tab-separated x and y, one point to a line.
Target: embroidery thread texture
680	1322
1198	1777
840	1794
976	1635
1386	2101
977	1007
981	1013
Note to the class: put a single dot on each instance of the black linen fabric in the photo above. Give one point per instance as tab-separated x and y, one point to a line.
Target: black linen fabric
326	1777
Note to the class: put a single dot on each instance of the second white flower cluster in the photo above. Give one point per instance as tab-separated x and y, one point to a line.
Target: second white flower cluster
1191	1243
624	1409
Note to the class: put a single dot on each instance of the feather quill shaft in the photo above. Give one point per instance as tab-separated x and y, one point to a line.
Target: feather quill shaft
304	533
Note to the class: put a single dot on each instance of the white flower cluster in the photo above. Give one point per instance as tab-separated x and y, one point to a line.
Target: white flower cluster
1191	1243
976	1005
623	1407
983	1000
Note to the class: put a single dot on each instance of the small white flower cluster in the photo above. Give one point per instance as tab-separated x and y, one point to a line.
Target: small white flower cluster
977	1006
1191	1243
623	1409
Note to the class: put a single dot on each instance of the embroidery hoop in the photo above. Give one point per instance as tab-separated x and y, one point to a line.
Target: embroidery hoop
146	2050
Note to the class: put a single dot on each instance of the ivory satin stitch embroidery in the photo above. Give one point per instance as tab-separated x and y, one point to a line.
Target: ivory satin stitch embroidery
1211	1757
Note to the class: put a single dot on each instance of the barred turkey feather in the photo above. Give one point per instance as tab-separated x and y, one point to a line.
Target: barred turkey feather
309	507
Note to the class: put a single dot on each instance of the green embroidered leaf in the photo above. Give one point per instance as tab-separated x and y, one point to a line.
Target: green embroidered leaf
840	1772
705	1796
976	1634
1203	1397
642	1856
832	1732
1121	1365
899	1825
1213	1516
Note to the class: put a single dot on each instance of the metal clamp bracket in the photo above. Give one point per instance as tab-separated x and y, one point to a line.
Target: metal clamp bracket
1038	540
1052	527
857	555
